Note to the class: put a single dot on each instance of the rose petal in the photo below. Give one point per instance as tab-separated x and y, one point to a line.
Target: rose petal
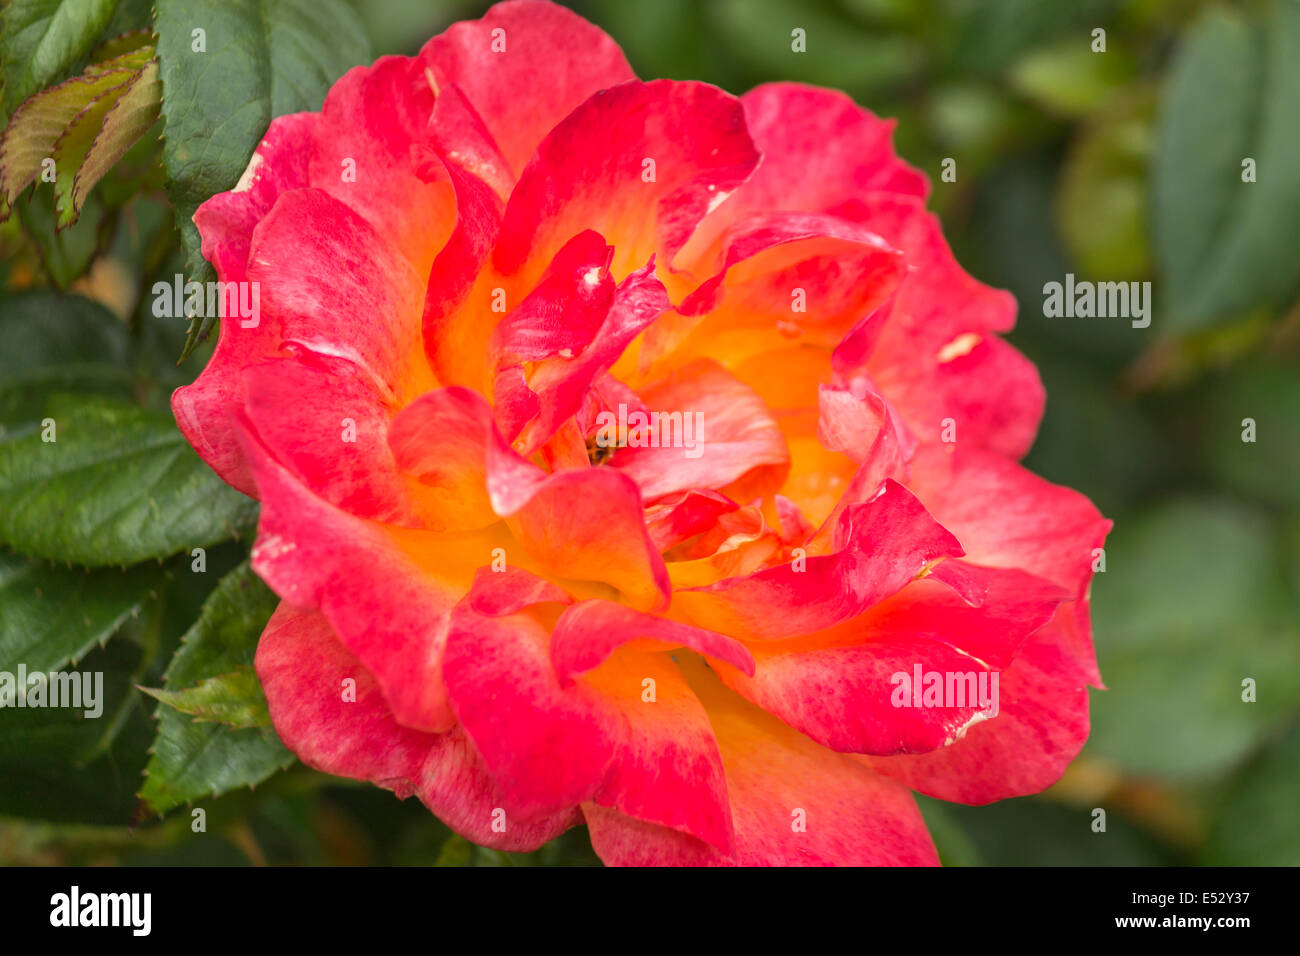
547	747
302	668
592	172
226	222
881	545
510	590
1007	517
707	429
587	633
362	156
1042	725
497	61
385	608
842	688
793	803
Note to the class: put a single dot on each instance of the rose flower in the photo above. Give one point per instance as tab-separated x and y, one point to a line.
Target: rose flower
636	455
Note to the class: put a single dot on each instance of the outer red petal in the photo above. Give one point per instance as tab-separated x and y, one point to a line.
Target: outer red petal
320	266
937	355
362	156
547	60
382	605
667	769
547	747
226	223
1007	517
591	172
843	694
820	150
303	667
778	781
336	443
1041	727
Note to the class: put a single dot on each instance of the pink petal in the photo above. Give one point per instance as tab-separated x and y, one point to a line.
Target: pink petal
589	632
383	607
440	439
540	40
566	309
1041	727
666	769
937	355
880	546
714	430
793	803
820	149
362	156
676	518
320	266
454	335
588	525
459	135
562	384
777	280
510	590
1007	517
338	444
226	223
302	668
846	694
547	747
590	172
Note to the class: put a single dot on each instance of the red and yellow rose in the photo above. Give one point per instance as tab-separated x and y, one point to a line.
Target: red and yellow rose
472	260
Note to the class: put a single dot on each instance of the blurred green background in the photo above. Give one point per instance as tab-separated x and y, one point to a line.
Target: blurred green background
1122	165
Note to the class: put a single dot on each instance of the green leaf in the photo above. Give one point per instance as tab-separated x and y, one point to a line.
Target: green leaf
43	39
122	44
1269	395
261	59
194	759
36	126
1192	603
1068	78
99	136
50	616
235	699
1256	823
67	253
51	343
117	485
1226	245
1103	199
61	764
984	37
839	52
1031	832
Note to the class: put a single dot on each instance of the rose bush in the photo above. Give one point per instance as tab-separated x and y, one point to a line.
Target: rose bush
471	261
